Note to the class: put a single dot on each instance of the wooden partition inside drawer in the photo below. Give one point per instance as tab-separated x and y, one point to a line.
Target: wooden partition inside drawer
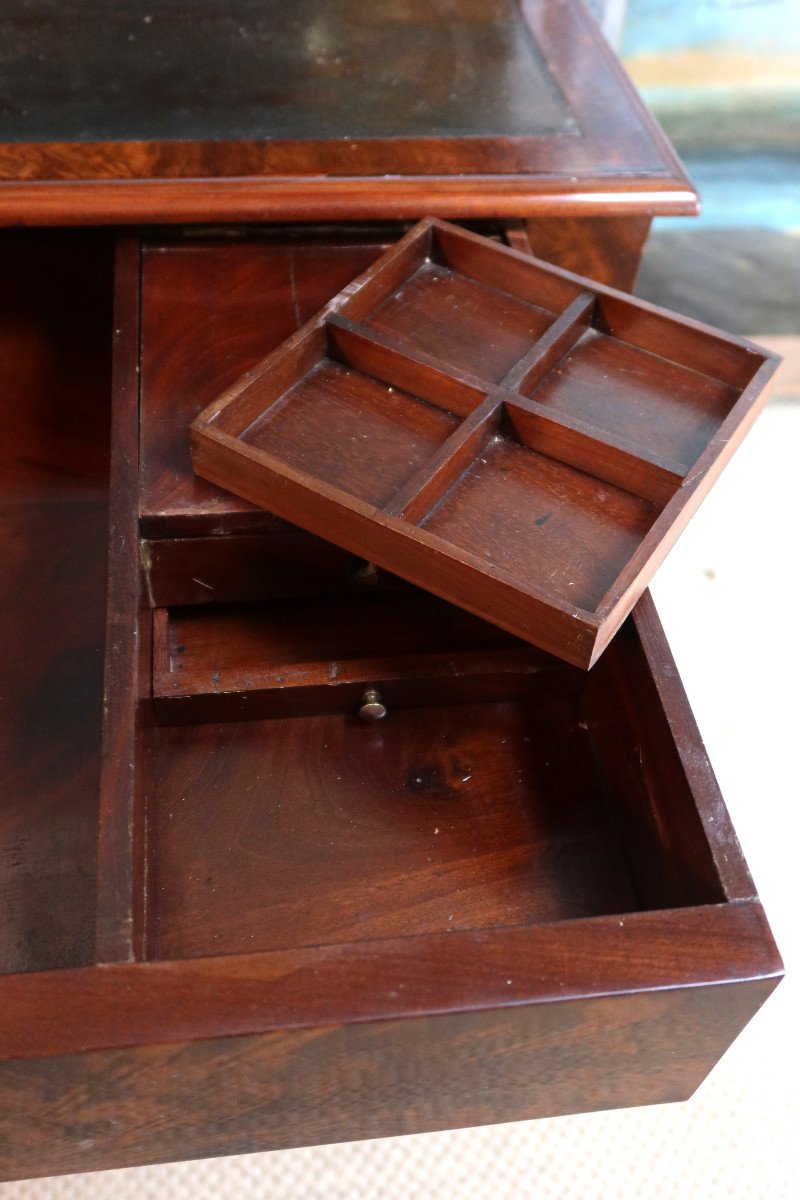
520	441
288	903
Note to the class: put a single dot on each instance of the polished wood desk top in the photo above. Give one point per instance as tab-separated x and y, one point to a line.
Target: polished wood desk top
250	110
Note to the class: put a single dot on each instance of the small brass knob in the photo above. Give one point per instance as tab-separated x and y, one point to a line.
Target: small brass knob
372	707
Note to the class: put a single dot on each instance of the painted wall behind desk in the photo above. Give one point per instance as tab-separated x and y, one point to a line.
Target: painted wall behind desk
718	71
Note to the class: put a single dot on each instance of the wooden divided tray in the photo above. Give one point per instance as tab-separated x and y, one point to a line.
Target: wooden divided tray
512	437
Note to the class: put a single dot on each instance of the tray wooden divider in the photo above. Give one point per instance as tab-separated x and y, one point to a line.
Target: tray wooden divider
516	439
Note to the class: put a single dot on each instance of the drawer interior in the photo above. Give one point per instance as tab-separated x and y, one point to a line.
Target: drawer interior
297	832
498	790
250	808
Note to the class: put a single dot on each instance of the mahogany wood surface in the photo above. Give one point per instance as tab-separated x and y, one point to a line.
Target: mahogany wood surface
325	112
209	308
121	869
55	293
335	1083
236	917
607	249
279	948
594	426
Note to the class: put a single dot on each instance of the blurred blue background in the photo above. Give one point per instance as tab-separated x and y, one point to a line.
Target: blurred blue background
723	77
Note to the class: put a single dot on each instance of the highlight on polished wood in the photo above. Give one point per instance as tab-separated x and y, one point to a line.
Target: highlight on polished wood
514	438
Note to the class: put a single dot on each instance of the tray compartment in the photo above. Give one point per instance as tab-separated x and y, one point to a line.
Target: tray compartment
457	308
638	397
541	522
442	313
335	422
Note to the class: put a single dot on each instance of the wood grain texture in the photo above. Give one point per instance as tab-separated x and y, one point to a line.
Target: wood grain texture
236	1095
121	868
55	293
210	309
52	1013
608	249
548	124
629	399
455	816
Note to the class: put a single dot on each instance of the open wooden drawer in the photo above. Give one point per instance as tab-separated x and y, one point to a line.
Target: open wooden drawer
517	895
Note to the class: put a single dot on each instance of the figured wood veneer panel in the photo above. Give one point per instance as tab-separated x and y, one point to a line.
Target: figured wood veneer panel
649	401
337	424
210	310
460	321
546	524
456	817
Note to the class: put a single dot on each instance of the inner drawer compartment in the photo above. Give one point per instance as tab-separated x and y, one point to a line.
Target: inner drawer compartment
655	404
492	794
455	817
443	312
335	421
320	654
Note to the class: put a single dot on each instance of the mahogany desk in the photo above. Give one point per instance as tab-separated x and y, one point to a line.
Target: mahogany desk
150	1008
